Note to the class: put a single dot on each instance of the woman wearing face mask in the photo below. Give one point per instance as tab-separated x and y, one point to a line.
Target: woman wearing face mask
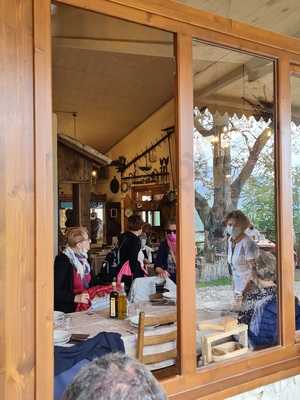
242	252
72	272
165	263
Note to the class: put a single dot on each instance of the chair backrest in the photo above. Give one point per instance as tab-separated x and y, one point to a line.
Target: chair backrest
150	340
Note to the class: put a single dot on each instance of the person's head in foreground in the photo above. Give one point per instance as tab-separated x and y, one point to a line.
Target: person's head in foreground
115	377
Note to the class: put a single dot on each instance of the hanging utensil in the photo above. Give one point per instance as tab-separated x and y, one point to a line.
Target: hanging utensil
145	168
152	156
166	164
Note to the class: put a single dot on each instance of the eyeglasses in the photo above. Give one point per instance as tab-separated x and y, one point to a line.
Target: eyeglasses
169	231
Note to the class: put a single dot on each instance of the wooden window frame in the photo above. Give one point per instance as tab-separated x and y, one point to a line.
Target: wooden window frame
216	381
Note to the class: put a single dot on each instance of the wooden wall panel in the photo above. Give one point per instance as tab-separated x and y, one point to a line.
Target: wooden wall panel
44	204
81	204
17	229
72	167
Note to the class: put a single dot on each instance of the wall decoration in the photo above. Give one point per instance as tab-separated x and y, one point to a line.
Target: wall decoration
114	185
152	156
146	167
128	212
124	187
167	133
113	212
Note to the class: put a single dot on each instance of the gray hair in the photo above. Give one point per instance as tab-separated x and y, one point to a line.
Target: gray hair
266	266
114	376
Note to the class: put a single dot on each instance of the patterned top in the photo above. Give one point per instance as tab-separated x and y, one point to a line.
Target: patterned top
250	300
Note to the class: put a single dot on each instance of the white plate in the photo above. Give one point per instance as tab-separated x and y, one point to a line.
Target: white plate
134	320
61	342
59	334
170	296
58	315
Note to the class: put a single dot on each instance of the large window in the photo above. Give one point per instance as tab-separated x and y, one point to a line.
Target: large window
234	164
235	208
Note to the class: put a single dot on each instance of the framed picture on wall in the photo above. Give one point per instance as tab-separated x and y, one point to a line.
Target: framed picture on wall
113	212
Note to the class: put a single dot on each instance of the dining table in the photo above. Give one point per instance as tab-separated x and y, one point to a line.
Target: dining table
93	322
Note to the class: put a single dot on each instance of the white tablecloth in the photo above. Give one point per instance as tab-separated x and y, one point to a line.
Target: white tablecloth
92	323
95	322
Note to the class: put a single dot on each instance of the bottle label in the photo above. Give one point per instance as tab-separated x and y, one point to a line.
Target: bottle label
113	313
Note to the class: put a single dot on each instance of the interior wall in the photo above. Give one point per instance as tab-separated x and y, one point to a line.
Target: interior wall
137	141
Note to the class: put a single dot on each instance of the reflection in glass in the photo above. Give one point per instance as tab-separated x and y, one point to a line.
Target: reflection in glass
125	104
235	216
295	161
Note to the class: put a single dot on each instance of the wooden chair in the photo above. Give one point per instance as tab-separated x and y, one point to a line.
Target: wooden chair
143	340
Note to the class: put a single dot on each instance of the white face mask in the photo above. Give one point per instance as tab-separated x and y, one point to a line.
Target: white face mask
229	229
236	231
143	243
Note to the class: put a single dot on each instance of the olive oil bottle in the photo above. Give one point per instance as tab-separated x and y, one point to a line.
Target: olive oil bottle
122	303
113	301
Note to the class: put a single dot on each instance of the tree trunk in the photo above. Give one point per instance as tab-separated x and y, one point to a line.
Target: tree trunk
226	195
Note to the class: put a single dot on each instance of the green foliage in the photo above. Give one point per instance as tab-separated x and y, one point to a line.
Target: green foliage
258	202
216	282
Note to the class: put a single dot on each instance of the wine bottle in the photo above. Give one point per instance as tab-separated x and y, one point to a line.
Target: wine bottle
113	301
122	303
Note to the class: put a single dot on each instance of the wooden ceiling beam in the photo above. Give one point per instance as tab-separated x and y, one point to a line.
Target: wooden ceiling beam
255	69
125	46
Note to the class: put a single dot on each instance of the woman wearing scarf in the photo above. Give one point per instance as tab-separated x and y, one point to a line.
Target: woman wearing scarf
165	263
72	272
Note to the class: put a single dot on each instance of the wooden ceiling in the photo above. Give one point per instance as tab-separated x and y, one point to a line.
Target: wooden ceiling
274	15
112	73
115	74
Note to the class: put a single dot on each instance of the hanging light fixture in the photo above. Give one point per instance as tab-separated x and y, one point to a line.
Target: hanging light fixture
94	176
74	114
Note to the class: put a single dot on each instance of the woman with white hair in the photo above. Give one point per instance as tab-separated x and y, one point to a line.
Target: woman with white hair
72	271
261	287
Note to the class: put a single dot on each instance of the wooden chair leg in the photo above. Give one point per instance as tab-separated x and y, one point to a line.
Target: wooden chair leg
141	332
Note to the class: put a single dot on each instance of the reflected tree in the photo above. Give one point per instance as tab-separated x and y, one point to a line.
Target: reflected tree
235	146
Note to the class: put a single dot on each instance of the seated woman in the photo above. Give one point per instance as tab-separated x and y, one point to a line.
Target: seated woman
72	272
259	306
242	253
129	249
165	263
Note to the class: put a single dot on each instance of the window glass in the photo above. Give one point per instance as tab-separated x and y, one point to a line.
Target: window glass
295	160
115	94
235	207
